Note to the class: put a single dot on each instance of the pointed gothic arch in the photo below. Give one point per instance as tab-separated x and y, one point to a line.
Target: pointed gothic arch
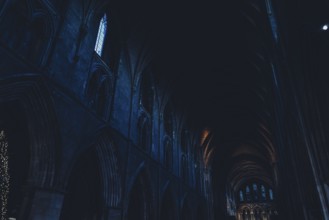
25	98
140	200
100	88
145	132
99	167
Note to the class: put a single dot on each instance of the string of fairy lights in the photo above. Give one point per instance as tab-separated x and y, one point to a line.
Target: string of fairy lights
4	175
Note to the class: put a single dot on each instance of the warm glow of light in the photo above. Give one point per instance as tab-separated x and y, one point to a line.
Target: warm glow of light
325	27
204	136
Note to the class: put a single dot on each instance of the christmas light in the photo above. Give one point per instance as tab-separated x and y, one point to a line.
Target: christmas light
4	174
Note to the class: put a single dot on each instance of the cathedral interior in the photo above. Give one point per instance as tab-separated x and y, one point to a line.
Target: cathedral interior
173	110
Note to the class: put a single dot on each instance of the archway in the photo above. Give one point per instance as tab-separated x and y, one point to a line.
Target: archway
94	183
30	92
28	121
139	207
83	198
258	214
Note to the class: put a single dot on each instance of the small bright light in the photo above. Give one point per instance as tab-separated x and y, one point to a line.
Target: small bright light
325	27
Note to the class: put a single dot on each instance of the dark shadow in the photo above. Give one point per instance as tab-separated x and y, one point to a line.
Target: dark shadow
168	209
139	207
14	124
83	198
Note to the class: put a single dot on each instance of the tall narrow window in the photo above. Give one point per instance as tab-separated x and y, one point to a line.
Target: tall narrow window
255	191
241	196
248	193
101	35
254	186
263	192
271	194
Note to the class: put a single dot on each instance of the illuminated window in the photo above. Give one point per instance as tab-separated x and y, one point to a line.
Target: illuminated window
248	193
255	187
241	196
271	194
263	192
255	191
101	35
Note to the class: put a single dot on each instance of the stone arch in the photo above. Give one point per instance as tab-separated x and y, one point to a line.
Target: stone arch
100	88
84	197
104	177
258	212
38	39
28	118
145	131
140	197
110	170
30	91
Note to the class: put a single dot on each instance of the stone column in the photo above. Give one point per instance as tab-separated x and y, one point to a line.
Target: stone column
252	214
239	217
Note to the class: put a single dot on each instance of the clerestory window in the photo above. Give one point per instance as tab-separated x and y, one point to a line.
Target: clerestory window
101	35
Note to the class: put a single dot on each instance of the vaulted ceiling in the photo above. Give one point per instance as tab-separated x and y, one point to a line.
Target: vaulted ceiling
217	57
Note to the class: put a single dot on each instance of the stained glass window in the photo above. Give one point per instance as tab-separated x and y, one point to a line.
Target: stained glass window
101	35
